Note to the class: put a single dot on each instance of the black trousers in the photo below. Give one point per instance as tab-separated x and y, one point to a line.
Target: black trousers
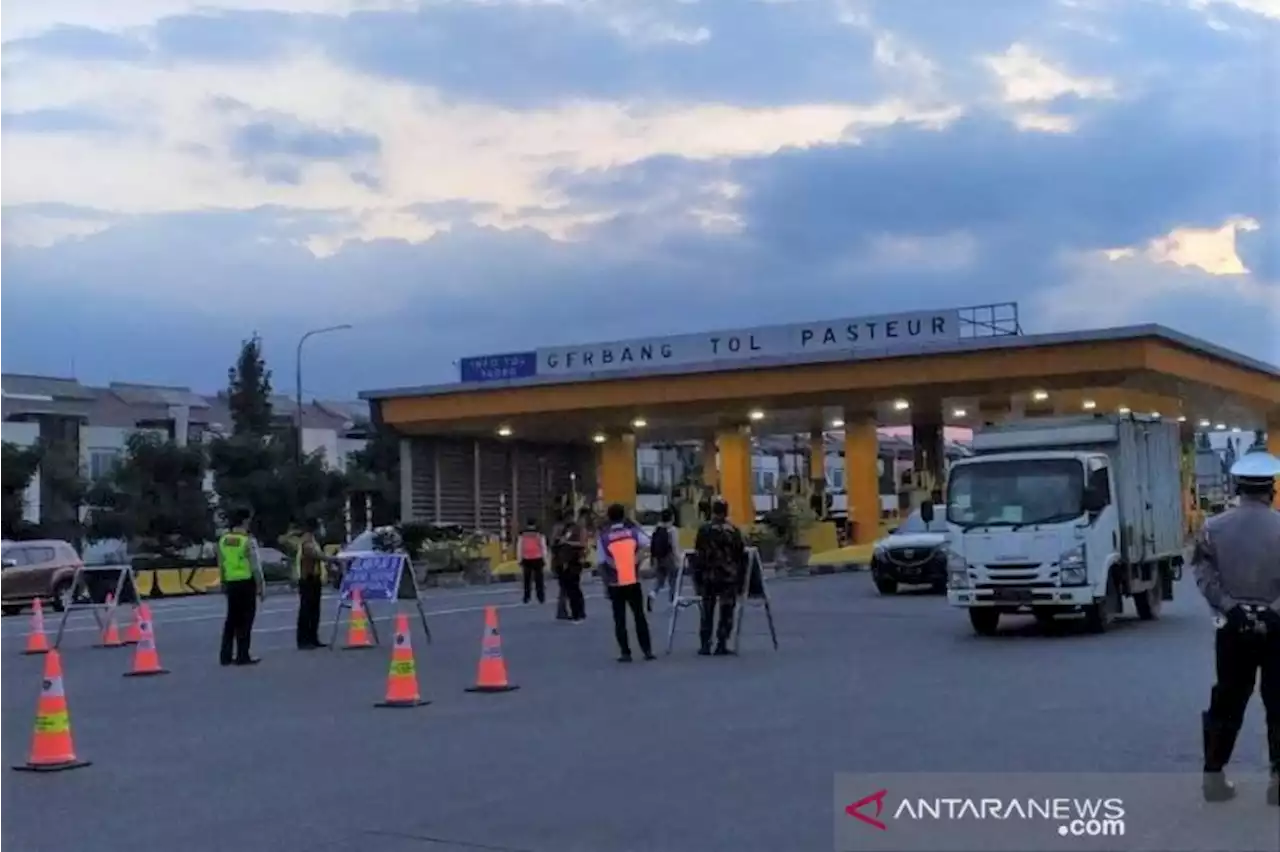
571	590
533	570
310	591
624	598
1240	658
237	630
724	629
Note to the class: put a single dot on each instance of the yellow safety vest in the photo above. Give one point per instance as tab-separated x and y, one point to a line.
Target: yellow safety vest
233	550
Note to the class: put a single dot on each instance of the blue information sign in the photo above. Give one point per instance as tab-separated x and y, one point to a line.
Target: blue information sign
496	368
377	576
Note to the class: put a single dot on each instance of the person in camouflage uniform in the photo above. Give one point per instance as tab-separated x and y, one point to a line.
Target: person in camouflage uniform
720	555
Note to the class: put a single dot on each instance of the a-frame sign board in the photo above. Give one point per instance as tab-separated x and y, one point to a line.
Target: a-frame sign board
101	590
754	593
379	577
680	601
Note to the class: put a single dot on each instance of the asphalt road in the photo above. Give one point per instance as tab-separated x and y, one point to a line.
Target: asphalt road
685	753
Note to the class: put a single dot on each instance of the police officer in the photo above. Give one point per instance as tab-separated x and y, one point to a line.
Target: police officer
619	549
1237	567
307	560
720	554
243	584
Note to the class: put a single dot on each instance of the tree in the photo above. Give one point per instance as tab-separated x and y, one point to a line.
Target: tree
154	499
249	391
17	469
256	469
67	486
374	470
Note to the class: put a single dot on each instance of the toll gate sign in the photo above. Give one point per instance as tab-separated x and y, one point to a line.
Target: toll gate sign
498	368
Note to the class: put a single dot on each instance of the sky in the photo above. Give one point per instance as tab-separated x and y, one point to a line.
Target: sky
461	177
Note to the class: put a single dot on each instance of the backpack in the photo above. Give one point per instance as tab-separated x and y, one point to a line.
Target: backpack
531	546
660	543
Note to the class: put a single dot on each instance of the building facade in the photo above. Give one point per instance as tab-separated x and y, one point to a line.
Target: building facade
99	420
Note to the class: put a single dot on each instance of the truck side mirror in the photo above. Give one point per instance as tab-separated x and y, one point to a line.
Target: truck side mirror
926	512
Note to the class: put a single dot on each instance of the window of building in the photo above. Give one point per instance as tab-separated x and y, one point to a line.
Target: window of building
649	476
103	462
836	477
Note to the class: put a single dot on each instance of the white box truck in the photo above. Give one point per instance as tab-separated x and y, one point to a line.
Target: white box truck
1056	516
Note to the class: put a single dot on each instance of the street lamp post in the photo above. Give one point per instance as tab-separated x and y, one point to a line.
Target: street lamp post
298	382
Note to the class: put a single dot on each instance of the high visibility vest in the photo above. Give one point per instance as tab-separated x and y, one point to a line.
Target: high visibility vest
622	547
233	550
531	546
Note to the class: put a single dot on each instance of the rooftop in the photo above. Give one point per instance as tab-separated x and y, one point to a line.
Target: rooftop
973	344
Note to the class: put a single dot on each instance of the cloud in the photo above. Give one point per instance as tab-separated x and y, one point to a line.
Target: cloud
460	177
79	43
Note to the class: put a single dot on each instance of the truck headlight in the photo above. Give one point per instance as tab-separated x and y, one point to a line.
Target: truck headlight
1072	568
957	571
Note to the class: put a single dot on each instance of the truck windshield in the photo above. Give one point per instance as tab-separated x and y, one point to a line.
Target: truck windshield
1015	493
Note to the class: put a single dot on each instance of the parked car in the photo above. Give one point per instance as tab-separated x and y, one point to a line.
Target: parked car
914	553
41	569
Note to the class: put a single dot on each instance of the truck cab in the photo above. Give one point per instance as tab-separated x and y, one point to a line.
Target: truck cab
1065	518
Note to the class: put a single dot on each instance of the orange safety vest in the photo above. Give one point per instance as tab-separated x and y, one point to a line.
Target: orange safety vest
531	546
622	547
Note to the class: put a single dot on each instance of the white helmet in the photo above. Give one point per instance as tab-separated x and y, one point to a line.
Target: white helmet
1257	466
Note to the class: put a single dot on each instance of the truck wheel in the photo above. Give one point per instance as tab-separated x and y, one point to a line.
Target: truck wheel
886	586
1149	603
984	621
1099	616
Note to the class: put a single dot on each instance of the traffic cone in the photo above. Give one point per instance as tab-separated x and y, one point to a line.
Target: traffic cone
357	624
402	679
37	642
111	636
132	634
146	661
492	674
51	746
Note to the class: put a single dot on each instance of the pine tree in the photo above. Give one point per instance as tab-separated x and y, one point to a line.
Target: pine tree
249	391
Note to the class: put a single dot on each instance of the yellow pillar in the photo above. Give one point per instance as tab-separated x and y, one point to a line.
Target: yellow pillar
1273	446
862	477
735	475
618	470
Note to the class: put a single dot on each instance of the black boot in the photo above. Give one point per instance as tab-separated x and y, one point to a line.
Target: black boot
722	650
1217	788
704	650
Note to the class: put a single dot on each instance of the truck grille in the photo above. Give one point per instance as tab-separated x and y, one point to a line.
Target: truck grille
1019	574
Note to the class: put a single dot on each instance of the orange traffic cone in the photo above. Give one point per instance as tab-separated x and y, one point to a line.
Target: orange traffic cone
37	642
132	634
357	624
51	746
110	636
146	661
402	679
492	675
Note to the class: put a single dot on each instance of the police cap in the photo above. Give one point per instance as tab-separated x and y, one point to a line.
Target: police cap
1256	466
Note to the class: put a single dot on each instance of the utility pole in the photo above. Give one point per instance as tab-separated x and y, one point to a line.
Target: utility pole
298	383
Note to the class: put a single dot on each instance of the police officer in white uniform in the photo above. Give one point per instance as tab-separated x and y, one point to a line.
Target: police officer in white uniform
1237	567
